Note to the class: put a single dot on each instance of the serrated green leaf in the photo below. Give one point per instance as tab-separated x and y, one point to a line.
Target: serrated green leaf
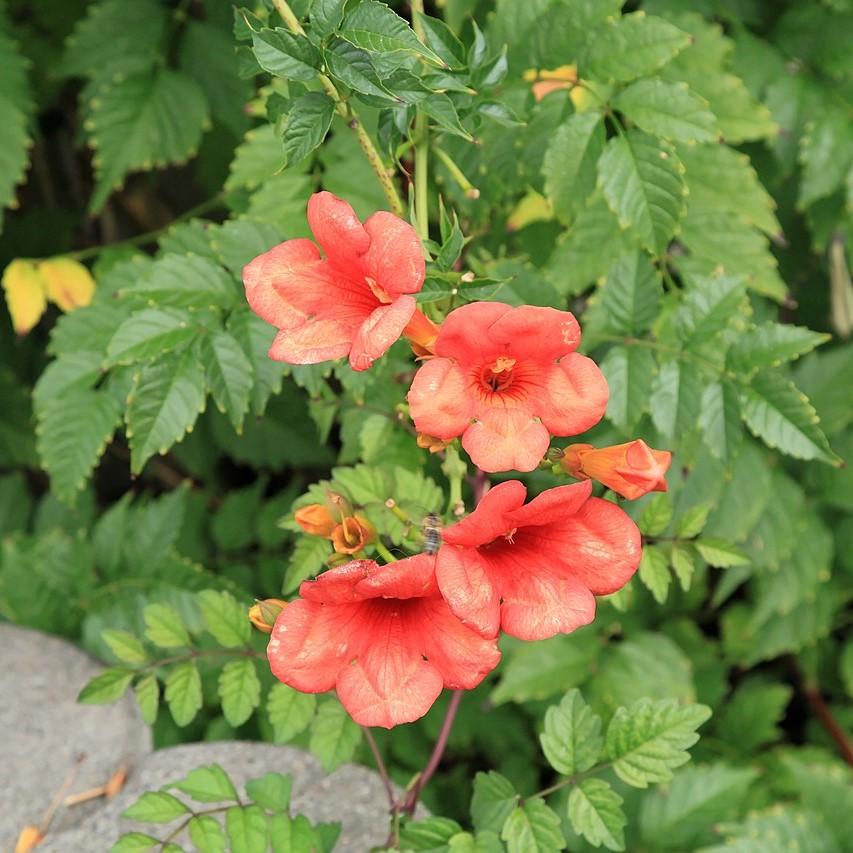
778	413
656	515
186	281
654	572
771	344
707	308
307	124
256	159
210	784
353	67
135	842
750	715
595	813
247	829
718	552
289	711
441	39
778	829
681	560
307	559
271	791
334	736
669	110
164	404
147	691
109	686
229	375
73	432
493	800
164	626
533	828
719	419
71	371
225	618
630	297
441	109
432	833
207	834
183	693
239	691
642	179
149	333
648	739
631	46
155	807
826	154
692	522
629	371
255	337
569	165
286	54
374	27
126	647
572	738
140	120
675	401
326	16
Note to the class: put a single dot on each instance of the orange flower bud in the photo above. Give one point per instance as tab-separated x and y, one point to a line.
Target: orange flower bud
431	443
352	534
632	470
262	614
316	520
30	837
421	333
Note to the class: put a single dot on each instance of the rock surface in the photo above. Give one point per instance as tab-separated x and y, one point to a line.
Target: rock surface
352	795
45	736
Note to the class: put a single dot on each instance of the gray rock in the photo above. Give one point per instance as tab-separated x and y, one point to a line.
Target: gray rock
45	734
352	795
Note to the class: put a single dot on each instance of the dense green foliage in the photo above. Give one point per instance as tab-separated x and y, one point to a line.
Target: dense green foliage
690	199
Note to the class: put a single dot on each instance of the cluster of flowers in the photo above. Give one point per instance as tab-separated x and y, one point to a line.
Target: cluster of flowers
388	638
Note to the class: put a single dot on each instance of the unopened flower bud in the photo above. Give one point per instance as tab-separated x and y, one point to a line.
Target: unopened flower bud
431	443
352	534
315	519
631	470
262	614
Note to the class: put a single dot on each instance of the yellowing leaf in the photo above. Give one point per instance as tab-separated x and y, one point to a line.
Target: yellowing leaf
68	283
534	207
25	294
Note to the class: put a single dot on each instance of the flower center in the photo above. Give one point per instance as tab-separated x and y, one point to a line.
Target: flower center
379	292
497	376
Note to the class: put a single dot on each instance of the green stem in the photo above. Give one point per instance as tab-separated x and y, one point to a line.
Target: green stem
202	653
456	173
571	780
455	470
349	115
421	133
384	552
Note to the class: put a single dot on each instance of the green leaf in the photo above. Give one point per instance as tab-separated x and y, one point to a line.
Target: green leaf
631	46
239	691
229	375
533	828
750	715
247	829
669	110
165	627
826	153
307	124
628	370
675	401
289	711
707	309
165	403
71	371
374	27
648	739
681	560
354	69
107	687
656	515
225	618
147	692
493	800
255	336
185	281
150	333
778	413
271	791
443	42
642	179
207	834
285	54
135	842
334	736
143	119
210	784
256	159
155	807
771	344
125	646
569	165
595	813
630	297
572	738
693	521
719	419
72	435
654	572
718	552
183	693
440	108
326	16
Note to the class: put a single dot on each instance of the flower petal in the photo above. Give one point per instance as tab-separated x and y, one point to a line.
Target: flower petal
395	259
379	331
540	334
488	521
413	577
338	586
505	439
573	396
461	655
439	400
310	643
464	335
317	340
464	582
338	231
551	506
389	682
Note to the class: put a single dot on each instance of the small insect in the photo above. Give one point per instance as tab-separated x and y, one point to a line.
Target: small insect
431	530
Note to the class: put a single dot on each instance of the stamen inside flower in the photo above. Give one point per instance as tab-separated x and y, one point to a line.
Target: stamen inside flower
498	375
379	292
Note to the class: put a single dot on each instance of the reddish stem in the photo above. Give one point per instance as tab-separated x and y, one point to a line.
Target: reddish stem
829	722
380	766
